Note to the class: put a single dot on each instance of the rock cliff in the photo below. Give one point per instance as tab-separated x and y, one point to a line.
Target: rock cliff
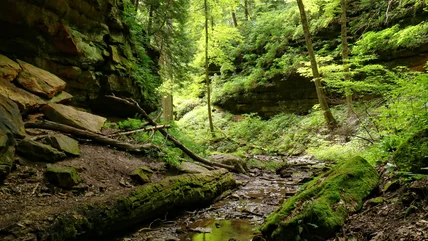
84	42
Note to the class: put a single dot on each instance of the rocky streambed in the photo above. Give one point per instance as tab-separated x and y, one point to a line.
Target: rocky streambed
237	214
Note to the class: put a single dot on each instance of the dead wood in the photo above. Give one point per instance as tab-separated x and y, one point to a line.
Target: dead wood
154	128
89	135
176	142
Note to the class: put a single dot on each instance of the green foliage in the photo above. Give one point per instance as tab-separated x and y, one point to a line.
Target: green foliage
392	39
143	68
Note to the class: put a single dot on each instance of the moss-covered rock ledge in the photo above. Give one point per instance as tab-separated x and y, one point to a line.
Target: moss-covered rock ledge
143	204
321	208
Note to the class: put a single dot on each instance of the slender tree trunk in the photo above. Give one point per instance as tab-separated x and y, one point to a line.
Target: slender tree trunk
136	5
331	122
207	77
150	23
348	92
247	14
235	22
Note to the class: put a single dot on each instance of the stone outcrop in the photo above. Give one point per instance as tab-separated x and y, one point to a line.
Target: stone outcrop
11	127
38	152
70	116
10	117
84	42
39	81
293	94
64	143
8	68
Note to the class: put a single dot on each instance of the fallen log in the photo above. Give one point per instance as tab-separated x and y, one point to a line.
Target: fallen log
49	125
176	142
144	204
154	128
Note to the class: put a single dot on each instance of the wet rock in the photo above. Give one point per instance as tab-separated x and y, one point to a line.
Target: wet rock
70	116
142	175
64	177
36	151
39	81
25	100
64	143
9	69
189	167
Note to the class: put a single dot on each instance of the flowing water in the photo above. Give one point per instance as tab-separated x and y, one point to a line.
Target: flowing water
235	217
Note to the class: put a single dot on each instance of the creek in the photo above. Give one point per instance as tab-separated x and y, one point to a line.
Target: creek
236	216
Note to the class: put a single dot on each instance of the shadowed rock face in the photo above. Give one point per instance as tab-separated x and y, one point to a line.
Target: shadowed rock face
293	94
84	42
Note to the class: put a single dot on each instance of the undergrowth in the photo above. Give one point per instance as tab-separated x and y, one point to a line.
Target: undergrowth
374	131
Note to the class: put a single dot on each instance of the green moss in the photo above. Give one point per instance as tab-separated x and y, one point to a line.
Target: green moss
142	204
321	208
142	174
65	177
412	155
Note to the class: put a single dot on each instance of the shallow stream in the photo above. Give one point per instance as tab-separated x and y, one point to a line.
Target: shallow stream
235	217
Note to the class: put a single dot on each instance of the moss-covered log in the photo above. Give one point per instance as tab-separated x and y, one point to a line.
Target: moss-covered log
143	204
321	208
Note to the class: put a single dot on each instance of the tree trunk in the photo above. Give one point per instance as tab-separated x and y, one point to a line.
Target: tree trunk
167	108
247	14
235	22
150	23
136	5
207	78
331	122
344	30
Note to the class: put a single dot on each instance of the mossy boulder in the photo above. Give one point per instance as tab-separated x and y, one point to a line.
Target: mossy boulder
322	206
63	177
412	155
142	175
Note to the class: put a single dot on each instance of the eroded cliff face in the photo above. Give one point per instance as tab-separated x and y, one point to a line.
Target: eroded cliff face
84	42
293	94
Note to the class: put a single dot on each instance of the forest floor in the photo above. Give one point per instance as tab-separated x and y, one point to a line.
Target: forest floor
28	200
399	213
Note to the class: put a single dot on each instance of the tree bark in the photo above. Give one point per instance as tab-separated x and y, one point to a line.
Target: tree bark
344	35
247	13
49	125
136	5
331	122
235	22
176	142
207	78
